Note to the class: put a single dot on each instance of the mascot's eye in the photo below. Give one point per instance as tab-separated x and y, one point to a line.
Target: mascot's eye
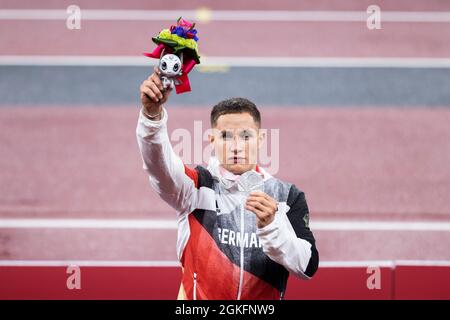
164	65
175	67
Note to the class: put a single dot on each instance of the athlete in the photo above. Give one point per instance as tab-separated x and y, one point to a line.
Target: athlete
241	231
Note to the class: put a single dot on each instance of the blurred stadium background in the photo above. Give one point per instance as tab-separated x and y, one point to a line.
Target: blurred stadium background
364	130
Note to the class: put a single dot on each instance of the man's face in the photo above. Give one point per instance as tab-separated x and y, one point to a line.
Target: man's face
236	139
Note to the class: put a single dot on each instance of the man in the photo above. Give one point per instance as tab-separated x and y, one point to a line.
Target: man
240	230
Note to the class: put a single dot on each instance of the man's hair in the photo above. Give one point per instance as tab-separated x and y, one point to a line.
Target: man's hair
235	105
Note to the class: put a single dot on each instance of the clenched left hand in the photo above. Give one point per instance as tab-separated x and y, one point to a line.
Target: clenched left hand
263	206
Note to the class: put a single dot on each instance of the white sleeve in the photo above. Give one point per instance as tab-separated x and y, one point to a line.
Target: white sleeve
280	243
166	170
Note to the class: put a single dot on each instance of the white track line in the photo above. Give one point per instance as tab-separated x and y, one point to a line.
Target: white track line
380	226
423	263
148	224
206	15
168	263
88	224
229	61
88	263
384	263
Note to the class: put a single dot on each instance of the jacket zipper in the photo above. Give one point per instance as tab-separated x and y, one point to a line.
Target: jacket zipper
241	271
195	286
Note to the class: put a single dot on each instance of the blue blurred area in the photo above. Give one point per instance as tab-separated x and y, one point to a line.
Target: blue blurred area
283	86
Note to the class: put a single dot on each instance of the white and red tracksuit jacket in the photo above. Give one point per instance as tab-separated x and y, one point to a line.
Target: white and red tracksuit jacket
222	252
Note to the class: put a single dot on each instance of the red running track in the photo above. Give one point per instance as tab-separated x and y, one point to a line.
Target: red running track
226	39
372	161
353	164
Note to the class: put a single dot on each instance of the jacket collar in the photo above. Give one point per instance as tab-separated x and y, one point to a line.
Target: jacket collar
243	182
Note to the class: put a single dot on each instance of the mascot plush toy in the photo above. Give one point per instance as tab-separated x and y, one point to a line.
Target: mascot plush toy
177	52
